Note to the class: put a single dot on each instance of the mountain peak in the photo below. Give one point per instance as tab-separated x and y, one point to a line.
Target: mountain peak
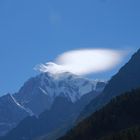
46	87
59	76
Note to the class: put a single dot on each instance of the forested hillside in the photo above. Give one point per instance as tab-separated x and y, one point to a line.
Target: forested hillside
121	113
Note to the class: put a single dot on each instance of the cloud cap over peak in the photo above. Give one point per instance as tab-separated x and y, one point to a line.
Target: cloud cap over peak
84	61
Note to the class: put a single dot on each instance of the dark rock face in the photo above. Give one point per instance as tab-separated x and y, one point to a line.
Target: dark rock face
100	86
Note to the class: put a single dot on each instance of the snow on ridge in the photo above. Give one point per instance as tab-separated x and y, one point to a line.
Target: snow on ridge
22	107
70	85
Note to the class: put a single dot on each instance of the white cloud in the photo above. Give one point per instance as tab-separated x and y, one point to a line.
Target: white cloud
84	61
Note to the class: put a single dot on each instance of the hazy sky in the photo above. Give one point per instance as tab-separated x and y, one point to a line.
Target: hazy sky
37	31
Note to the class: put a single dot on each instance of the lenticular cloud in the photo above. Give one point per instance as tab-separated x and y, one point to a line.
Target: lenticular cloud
84	61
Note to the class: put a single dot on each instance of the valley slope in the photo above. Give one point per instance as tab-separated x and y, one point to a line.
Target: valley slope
126	79
111	121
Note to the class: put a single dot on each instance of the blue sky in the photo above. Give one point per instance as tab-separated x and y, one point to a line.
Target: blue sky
33	32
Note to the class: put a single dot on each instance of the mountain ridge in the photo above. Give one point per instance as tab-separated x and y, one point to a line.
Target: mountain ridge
12	113
126	79
39	93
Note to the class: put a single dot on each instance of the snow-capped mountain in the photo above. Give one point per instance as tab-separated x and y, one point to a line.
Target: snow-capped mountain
11	113
64	110
39	93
